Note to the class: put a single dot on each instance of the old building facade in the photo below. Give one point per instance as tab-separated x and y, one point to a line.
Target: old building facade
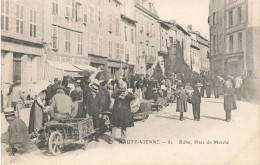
146	36
21	42
195	55
163	43
65	51
233	23
128	37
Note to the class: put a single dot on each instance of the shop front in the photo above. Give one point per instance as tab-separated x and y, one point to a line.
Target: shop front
98	62
57	66
115	67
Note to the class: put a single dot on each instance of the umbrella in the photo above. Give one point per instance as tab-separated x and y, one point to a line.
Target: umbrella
35	88
104	75
86	73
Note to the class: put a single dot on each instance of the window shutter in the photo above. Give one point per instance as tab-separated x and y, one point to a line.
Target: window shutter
85	17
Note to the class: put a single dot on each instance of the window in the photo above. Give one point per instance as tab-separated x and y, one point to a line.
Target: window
117	47
100	44
230	18
79	43
85	14
92	10
240	41
55	35
141	25
4	15
68	8
132	36
171	40
92	44
231	44
152	31
147	27
140	49
214	18
100	18
127	53
147	50
55	6
73	9
110	26
78	12
239	17
162	42
121	51
19	19
67	42
110	49
32	23
117	26
125	34
214	44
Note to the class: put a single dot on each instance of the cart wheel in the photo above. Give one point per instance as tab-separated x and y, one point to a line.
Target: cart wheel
85	142
55	143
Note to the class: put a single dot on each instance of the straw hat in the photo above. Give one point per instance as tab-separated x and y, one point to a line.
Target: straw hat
9	112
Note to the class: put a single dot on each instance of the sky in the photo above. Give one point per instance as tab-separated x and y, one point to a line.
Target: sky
189	12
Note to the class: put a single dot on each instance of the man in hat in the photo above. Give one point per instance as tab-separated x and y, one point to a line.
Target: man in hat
62	106
196	100
94	109
17	135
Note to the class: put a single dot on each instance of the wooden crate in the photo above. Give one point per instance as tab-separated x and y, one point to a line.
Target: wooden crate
82	127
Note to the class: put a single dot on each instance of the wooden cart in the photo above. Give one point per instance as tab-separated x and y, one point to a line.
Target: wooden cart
64	132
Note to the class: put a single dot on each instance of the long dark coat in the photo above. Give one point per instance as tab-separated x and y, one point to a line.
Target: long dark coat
105	98
37	117
181	100
229	99
93	105
196	98
121	113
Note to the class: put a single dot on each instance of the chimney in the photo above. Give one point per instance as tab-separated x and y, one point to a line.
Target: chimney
190	28
173	21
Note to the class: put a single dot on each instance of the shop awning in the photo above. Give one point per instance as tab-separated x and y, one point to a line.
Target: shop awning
86	67
56	69
64	66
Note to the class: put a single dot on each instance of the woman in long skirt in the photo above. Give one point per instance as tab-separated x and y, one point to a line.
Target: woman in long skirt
229	100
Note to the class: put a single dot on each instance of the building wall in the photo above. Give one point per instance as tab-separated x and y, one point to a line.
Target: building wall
128	37
195	56
235	51
217	34
21	45
20	40
61	23
163	44
147	33
185	42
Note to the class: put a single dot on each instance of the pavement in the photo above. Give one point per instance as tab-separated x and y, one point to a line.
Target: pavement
164	139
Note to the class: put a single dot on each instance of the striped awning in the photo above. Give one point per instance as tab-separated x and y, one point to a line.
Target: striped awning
86	67
56	69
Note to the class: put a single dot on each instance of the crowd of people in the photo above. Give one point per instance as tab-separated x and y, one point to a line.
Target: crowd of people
82	97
